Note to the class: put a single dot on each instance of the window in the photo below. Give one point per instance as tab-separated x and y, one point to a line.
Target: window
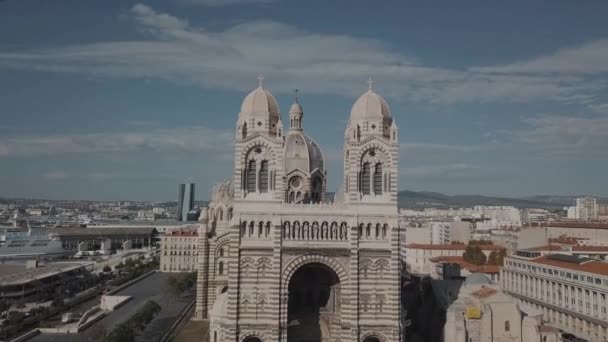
221	268
507	326
251	176
365	179
264	176
221	252
378	179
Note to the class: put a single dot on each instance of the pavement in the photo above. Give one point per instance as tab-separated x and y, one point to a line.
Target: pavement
153	288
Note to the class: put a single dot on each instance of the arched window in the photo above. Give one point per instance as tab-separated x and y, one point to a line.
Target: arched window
264	176
244	130
221	215
378	179
507	326
221	268
251	176
292	197
221	252
260	228
365	179
215	336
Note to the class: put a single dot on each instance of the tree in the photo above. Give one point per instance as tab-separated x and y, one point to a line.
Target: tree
474	255
492	258
500	258
107	269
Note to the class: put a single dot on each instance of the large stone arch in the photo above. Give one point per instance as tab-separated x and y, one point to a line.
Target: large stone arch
252	336
302	260
370	336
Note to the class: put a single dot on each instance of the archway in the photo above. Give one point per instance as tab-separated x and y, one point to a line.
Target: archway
371	339
252	339
314	291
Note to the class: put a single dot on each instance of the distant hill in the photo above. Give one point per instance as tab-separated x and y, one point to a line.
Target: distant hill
422	199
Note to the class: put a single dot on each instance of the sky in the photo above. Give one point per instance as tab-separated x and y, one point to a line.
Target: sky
119	99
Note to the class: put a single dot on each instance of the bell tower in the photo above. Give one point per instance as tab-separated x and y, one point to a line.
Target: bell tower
371	152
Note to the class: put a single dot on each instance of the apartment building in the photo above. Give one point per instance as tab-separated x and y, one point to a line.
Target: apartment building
179	251
570	290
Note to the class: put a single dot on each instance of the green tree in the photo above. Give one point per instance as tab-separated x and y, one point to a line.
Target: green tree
492	258
500	258
474	255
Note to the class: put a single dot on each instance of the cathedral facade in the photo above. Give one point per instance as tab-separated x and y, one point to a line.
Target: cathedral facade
278	261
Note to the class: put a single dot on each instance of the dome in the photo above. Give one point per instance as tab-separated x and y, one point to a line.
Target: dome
224	192
369	105
259	101
301	152
296	109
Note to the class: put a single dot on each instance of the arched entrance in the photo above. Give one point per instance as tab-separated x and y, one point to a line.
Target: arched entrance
252	339
371	339
314	292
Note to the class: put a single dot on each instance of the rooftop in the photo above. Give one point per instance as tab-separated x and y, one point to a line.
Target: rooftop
570	225
108	231
452	247
585	265
15	274
454	259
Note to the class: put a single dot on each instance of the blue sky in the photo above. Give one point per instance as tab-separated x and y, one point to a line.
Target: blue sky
126	99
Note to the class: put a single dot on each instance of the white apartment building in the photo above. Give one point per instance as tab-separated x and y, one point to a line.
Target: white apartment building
586	208
439	233
503	215
569	290
179	252
597	233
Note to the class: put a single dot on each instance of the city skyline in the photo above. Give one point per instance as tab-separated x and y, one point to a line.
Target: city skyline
145	95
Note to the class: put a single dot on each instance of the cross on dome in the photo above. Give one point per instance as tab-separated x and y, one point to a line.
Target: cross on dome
260	80
296	91
370	82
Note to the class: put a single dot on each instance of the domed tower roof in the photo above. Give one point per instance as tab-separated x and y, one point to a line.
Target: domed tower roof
302	152
224	192
368	106
259	102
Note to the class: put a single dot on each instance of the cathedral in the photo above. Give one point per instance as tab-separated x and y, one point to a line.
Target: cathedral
278	259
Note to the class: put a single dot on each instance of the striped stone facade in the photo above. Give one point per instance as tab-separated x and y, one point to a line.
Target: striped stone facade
253	242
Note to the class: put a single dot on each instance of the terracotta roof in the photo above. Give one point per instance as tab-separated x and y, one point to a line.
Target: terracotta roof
590	248
484	292
570	225
452	247
597	267
454	259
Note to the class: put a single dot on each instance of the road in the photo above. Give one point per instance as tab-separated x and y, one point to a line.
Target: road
154	288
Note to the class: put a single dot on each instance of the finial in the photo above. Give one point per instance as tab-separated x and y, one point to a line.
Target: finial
370	82
260	80
296	91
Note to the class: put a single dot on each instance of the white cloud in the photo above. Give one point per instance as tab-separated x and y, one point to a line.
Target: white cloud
181	140
559	136
288	56
55	175
584	59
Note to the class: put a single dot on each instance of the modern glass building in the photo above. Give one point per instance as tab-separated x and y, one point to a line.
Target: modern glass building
185	201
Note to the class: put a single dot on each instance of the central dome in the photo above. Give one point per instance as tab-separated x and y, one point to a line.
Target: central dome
369	105
259	101
303	153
